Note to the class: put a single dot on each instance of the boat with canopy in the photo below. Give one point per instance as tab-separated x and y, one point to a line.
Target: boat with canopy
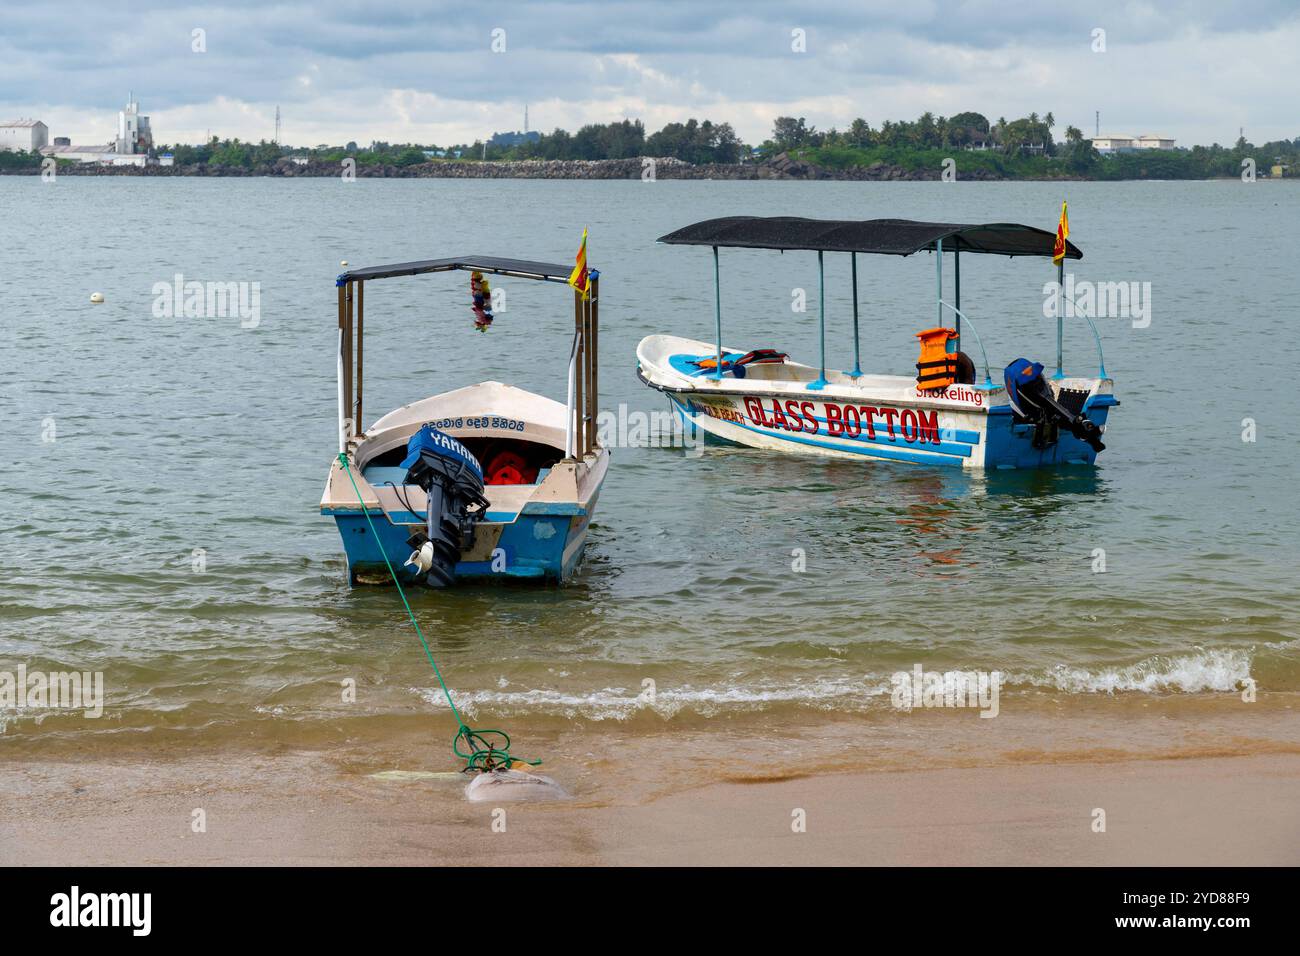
486	481
950	413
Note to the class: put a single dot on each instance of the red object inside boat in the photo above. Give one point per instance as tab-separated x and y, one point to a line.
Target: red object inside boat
509	468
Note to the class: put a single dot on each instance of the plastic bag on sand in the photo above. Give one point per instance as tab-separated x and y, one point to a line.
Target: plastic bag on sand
513	785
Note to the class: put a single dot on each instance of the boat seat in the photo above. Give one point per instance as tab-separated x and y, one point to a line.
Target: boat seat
686	363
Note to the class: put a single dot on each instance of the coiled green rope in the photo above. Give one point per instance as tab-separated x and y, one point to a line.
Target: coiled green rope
484	749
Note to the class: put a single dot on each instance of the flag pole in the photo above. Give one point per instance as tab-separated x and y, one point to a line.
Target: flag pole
1060	320
1059	248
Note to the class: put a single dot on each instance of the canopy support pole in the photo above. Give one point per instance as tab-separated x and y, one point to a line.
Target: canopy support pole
1060	318
857	355
717	312
593	306
568	404
348	330
343	408
588	369
359	427
821	321
580	371
938	277
956	290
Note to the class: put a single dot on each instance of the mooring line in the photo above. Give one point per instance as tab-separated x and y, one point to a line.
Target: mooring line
483	753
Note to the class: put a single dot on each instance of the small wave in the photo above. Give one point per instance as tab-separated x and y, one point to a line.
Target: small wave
1201	672
621	703
1213	670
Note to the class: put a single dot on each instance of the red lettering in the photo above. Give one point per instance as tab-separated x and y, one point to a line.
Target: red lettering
928	428
908	413
834	425
852	426
889	414
778	416
792	409
868	412
808	411
754	408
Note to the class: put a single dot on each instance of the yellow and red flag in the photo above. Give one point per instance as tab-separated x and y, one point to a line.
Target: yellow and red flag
578	277
1062	233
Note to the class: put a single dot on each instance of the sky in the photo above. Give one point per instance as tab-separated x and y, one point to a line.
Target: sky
444	73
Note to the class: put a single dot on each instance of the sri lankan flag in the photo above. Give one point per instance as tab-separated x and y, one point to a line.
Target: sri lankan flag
578	277
1062	233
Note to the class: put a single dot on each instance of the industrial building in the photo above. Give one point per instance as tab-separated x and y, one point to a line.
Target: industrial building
26	135
131	146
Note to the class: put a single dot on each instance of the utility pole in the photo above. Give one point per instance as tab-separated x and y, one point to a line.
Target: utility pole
525	121
277	126
1098	127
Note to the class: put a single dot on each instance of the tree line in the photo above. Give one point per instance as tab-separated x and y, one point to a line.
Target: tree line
1026	146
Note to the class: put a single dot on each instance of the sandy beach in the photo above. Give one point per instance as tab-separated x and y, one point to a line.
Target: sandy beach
1190	803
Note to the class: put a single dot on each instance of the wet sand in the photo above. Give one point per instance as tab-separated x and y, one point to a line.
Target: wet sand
1190	804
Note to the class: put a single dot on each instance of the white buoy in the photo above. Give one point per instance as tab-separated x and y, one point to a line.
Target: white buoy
344	262
97	297
513	785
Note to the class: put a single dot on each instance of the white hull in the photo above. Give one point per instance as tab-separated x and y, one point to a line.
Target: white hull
783	407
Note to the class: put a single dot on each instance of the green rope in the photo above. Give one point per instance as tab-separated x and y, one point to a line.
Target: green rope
485	749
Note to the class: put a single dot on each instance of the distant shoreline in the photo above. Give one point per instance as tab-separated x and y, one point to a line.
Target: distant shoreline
780	168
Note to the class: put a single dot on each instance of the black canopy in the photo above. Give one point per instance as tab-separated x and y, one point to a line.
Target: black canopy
894	237
519	268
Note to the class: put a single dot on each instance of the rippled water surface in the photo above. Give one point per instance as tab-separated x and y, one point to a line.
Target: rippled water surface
181	437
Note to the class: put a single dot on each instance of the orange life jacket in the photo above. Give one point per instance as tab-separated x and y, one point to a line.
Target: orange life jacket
937	367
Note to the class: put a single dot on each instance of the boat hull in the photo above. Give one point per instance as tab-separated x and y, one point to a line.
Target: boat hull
535	531
887	418
534	547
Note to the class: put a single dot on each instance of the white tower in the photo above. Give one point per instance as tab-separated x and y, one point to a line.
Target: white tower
133	132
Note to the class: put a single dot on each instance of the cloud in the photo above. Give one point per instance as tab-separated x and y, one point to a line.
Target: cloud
426	72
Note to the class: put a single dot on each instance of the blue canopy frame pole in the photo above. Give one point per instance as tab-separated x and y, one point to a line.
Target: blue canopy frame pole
821	320
938	278
1060	318
717	311
956	290
857	356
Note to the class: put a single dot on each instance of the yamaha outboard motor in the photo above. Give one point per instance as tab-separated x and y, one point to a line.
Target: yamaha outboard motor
1033	402
453	480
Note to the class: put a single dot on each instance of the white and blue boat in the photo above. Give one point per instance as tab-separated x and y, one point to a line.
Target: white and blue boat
484	482
942	416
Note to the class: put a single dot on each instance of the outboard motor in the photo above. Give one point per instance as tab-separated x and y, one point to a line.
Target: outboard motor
1032	401
453	480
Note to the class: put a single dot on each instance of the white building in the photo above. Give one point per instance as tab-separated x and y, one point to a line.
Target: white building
1151	141
1113	144
133	132
26	135
130	148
